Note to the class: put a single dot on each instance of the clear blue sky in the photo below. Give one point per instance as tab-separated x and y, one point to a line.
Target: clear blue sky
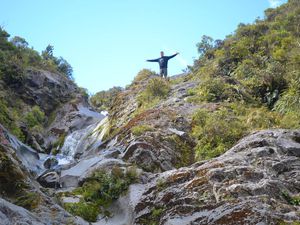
108	41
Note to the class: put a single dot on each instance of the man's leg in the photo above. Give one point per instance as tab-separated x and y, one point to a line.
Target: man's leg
165	72
161	72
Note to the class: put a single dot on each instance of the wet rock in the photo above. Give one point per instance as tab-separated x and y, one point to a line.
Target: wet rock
73	176
49	180
28	157
50	162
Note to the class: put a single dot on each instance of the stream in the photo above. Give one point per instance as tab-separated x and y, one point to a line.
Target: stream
78	157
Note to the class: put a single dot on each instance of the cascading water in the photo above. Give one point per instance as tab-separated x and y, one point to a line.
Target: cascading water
83	140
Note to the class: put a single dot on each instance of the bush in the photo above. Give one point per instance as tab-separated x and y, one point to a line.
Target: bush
143	75
290	99
103	100
29	200
216	132
99	191
35	117
156	89
140	129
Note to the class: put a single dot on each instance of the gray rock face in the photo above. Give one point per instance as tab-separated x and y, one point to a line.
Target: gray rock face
80	171
29	157
14	215
71	117
50	162
246	185
46	89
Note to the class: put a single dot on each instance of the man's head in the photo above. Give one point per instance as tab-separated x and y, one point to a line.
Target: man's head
161	53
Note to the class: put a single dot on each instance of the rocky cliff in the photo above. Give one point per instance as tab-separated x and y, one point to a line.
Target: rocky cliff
217	145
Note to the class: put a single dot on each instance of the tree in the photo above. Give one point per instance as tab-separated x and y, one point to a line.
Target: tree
206	44
64	67
19	42
48	52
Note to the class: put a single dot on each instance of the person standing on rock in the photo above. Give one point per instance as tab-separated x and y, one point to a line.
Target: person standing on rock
163	63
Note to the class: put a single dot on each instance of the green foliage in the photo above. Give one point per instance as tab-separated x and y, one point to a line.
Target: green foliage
29	200
16	57
84	92
289	223
219	89
8	119
219	130
98	192
290	120
161	184
216	132
290	98
259	56
35	117
140	129
252	77
182	146
103	100
156	89
88	211
143	75
154	216
293	200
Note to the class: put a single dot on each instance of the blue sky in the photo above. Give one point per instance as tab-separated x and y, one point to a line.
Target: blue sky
108	41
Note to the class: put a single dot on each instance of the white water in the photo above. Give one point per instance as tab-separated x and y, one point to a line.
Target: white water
83	140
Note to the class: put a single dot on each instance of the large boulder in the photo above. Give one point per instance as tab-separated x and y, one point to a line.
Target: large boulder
255	182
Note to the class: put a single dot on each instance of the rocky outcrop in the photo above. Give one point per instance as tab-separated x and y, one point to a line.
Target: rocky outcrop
255	182
45	89
165	144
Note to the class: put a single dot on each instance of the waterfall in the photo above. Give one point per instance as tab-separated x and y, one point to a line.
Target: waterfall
85	139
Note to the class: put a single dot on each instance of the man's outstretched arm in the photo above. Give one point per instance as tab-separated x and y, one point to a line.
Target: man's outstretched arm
152	60
170	57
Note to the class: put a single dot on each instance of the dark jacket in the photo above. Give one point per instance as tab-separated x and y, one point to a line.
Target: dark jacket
162	61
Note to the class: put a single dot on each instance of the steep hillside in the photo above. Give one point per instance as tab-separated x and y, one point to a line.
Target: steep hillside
247	82
219	144
238	86
38	94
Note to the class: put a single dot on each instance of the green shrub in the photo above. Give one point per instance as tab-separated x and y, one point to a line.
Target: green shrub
262	118
219	130
103	100
98	192
143	75
156	89
293	200
216	132
154	216
29	200
35	117
9	119
88	211
140	129
290	99
290	120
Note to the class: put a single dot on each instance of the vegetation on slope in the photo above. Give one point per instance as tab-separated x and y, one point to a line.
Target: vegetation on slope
99	191
16	57
253	76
